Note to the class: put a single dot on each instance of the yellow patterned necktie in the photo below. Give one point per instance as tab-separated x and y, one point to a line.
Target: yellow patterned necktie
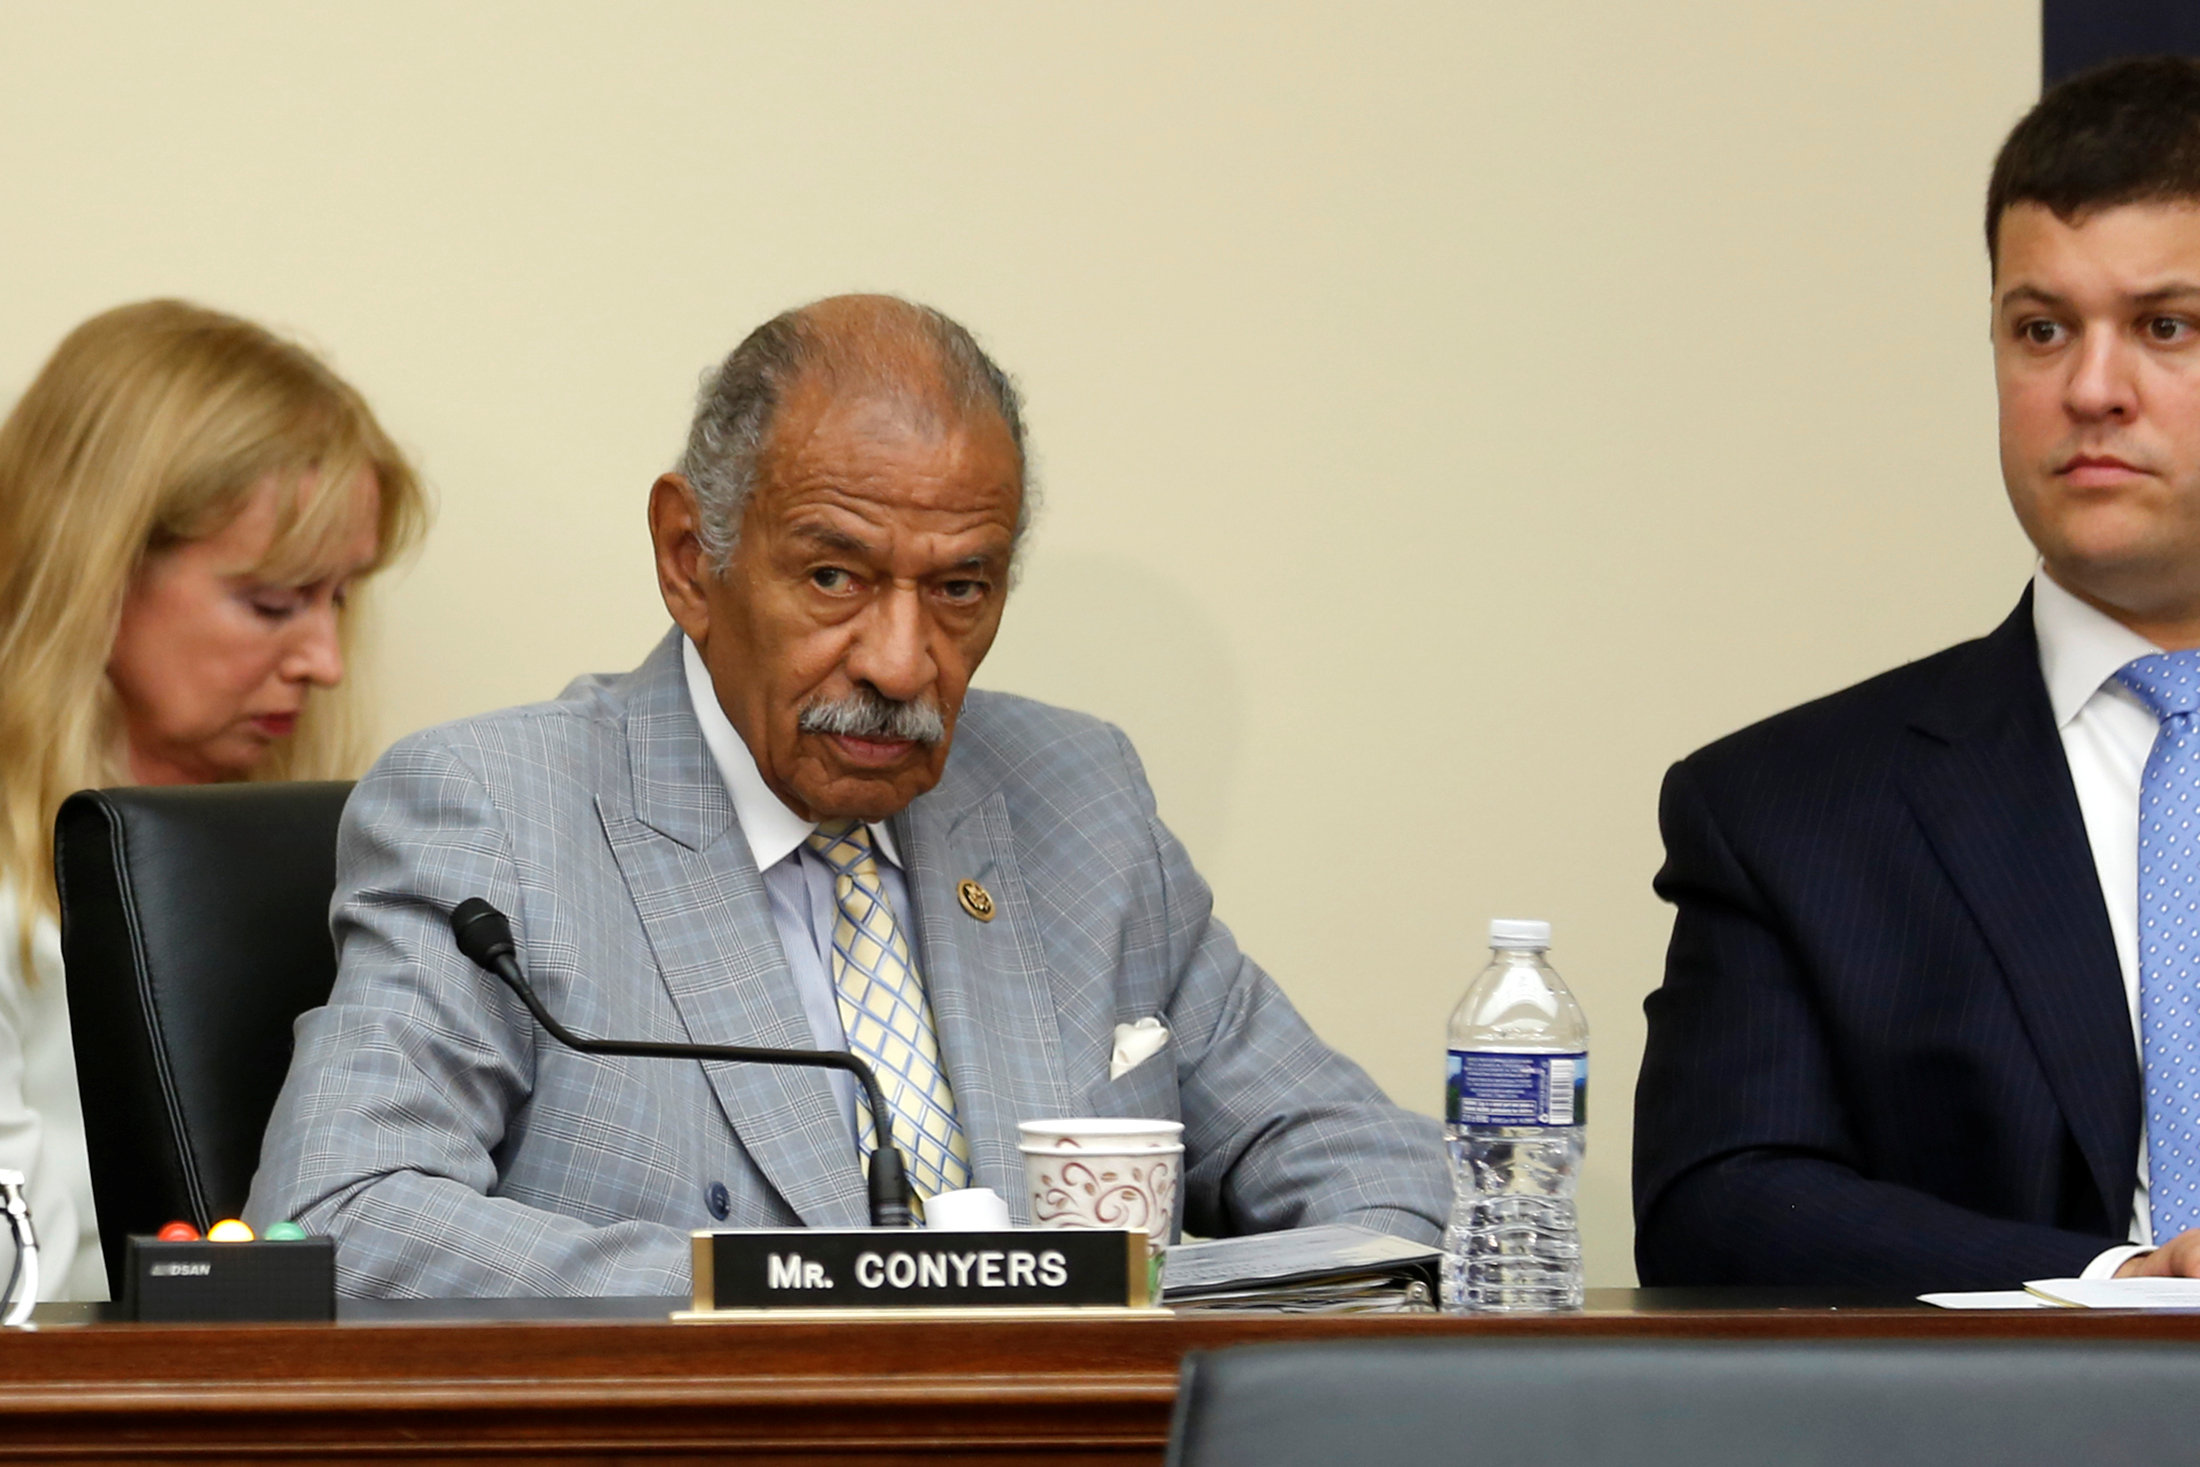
888	1018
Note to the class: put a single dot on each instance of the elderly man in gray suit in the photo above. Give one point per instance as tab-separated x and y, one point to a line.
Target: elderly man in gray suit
794	825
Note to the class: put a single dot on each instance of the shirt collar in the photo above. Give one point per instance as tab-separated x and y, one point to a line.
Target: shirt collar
774	832
2081	647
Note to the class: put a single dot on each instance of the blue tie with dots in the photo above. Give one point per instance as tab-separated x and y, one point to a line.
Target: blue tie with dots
2169	936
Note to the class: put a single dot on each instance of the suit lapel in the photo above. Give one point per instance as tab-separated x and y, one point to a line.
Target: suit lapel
710	927
988	981
1986	775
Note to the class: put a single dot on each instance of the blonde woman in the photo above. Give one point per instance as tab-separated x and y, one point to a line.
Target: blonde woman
186	504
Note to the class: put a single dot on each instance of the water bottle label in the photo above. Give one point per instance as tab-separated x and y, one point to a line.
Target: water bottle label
1492	1088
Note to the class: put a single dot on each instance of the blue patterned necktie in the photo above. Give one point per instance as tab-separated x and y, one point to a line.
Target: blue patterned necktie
888	1018
2169	936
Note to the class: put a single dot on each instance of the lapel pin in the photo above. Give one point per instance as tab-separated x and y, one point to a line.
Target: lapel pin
975	899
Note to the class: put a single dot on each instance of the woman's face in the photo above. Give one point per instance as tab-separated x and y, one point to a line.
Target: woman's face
212	662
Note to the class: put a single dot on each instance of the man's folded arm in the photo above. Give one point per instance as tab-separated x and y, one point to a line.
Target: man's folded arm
1763	1217
384	1136
1281	1131
1745	1171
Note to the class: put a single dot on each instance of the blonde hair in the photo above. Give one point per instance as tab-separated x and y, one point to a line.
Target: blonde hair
151	425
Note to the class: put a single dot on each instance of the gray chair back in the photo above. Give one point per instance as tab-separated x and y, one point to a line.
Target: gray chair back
1516	1403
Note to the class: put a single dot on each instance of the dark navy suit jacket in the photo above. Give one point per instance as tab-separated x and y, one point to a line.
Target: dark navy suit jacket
1892	1047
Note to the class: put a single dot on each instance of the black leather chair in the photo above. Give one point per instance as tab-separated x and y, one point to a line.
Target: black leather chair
194	928
1517	1403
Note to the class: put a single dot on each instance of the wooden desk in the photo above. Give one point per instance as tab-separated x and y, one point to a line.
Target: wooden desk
616	1383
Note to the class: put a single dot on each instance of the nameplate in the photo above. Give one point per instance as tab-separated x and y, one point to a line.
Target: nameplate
897	1268
284	1280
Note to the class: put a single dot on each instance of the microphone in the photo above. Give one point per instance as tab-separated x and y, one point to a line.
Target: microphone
485	936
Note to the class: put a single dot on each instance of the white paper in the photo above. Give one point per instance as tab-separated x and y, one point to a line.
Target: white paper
2119	1293
972	1210
1986	1299
1264	1258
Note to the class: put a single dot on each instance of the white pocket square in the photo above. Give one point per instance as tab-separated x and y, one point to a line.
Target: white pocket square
1135	1044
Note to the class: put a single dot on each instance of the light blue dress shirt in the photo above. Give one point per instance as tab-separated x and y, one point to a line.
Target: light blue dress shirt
797	881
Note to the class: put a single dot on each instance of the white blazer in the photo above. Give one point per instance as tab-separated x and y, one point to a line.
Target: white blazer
41	1118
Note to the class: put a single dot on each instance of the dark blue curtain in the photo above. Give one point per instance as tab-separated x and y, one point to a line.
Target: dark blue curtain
2076	34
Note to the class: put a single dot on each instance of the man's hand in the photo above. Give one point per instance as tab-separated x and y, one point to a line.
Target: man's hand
2179	1258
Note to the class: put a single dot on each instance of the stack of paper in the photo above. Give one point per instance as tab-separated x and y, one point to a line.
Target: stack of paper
1336	1269
2080	1294
2118	1293
1986	1299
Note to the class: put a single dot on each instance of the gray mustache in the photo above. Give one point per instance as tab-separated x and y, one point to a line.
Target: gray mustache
868	714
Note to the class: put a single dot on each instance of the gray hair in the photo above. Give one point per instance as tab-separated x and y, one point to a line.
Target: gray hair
740	397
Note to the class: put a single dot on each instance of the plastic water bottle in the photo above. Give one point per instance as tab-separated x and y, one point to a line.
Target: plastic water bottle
1514	1108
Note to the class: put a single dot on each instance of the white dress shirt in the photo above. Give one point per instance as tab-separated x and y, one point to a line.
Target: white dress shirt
798	882
2107	734
41	1117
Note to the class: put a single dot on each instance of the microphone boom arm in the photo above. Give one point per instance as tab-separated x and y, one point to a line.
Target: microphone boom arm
888	1181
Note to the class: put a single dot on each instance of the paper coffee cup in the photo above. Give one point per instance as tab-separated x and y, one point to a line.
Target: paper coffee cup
1104	1173
1100	1133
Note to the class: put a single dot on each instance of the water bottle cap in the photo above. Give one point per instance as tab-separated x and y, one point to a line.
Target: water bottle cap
1513	932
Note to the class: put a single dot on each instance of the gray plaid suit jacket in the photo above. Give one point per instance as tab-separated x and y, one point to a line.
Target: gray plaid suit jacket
453	1149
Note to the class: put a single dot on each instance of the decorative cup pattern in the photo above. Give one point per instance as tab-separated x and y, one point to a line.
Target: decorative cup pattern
1078	1188
1106	1136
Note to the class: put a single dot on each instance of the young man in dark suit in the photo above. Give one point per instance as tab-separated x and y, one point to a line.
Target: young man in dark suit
1929	1017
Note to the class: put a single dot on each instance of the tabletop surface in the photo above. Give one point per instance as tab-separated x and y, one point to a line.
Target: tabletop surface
1600	1303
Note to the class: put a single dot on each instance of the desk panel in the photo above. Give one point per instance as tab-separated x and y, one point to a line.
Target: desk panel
612	1381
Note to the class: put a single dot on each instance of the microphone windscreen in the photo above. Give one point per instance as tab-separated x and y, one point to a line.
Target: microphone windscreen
484	934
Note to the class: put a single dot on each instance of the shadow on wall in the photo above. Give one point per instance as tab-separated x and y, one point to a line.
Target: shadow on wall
1106	635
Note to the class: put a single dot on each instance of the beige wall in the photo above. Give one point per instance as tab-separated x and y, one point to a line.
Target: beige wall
1450	413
